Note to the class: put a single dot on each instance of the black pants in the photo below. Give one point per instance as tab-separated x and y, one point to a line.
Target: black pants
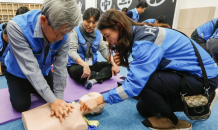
3	68
20	90
161	94
199	40
100	71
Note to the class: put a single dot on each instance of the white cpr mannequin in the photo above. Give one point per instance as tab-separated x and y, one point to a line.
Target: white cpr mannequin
40	119
92	95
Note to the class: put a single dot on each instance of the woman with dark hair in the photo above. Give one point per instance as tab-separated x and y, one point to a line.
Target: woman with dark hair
85	42
159	19
22	10
157	54
124	10
4	46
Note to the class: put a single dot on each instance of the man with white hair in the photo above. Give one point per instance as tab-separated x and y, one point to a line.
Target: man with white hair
39	39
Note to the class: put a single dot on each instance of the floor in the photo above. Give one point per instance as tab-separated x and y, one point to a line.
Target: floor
122	116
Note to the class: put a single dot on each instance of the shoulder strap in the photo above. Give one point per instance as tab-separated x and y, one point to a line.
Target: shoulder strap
205	78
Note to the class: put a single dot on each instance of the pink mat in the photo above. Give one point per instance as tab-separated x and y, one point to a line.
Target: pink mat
72	92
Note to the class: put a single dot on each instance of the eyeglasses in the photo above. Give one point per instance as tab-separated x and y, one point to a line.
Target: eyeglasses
57	36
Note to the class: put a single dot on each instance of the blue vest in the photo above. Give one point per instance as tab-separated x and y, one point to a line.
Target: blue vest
205	30
27	23
1	29
135	15
82	46
1	48
149	21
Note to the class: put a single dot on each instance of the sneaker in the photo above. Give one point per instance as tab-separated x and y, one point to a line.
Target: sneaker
88	85
181	125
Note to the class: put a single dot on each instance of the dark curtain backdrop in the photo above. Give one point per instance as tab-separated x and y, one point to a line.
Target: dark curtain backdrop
81	4
159	7
155	9
104	5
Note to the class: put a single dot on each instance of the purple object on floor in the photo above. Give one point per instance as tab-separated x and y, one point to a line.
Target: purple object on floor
72	93
7	113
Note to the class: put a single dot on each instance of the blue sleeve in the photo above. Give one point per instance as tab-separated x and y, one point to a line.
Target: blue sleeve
92	127
1	46
215	34
129	14
149	21
146	57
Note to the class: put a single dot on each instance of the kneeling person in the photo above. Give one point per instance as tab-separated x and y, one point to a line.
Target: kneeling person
85	42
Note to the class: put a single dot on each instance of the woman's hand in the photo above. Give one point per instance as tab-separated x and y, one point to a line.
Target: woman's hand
90	104
86	72
117	61
116	58
115	70
60	109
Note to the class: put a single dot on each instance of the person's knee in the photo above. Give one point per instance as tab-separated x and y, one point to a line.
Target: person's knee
21	106
109	69
75	71
142	109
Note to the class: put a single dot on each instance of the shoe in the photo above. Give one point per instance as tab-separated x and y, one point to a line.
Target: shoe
214	99
181	125
88	85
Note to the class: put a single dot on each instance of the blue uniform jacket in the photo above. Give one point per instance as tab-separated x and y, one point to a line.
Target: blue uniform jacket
205	30
159	48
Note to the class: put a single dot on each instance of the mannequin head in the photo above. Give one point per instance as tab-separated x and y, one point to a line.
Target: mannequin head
92	95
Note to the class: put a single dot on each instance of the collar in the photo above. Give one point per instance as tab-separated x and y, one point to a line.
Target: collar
38	30
136	11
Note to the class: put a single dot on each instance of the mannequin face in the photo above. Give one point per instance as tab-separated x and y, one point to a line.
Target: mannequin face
110	35
90	24
89	96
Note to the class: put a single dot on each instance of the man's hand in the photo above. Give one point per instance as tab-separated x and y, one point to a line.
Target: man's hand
86	72
60	109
